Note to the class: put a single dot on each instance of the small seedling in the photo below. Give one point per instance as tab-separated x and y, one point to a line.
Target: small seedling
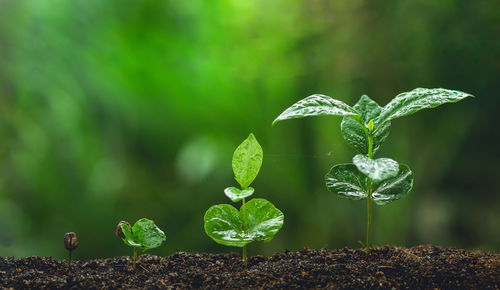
70	242
258	219
144	235
366	126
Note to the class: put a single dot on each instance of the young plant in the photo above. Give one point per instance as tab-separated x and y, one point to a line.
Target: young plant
144	235
258	219
70	243
366	126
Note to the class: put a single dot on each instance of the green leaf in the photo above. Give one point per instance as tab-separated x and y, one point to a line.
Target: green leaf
395	187
316	105
262	218
376	169
225	224
353	131
347	181
247	160
144	235
418	99
236	194
129	238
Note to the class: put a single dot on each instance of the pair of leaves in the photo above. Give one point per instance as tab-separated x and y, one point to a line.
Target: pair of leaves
257	220
347	181
144	235
247	160
355	122
390	180
355	133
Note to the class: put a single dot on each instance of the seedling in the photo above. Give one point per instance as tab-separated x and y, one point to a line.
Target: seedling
70	243
366	126
258	219
144	235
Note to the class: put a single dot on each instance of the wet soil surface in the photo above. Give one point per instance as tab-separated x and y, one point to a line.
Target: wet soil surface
424	267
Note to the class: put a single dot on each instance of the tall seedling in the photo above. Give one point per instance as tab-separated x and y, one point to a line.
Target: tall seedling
258	219
366	126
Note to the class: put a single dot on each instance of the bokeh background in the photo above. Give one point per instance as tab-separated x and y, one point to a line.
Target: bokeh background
116	110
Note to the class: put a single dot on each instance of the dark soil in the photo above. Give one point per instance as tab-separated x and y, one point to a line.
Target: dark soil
426	267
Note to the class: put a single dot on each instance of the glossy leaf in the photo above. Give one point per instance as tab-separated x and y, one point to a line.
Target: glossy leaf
354	133
263	219
376	169
395	187
224	223
347	181
236	194
247	160
144	235
418	99
316	105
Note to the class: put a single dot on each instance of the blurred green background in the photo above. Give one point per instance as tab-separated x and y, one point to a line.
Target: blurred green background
117	110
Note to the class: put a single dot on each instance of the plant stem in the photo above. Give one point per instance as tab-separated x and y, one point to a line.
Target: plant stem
369	197
244	229
245	255
69	260
135	257
369	217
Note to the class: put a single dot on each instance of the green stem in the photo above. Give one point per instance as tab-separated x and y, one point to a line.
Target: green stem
245	255
244	229
369	219
135	257
369	197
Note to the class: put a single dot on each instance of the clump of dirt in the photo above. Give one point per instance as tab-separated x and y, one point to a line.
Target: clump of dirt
385	267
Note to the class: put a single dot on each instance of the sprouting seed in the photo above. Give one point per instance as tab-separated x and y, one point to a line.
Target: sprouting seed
71	243
119	231
144	235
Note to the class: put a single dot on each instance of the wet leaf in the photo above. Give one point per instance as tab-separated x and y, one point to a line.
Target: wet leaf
418	99
226	226
144	235
395	187
316	105
376	169
263	219
236	194
353	132
247	160
347	181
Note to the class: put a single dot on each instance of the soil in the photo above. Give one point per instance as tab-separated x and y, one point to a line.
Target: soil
423	267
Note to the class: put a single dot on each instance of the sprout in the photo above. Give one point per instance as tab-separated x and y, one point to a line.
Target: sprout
70	242
258	219
144	235
366	126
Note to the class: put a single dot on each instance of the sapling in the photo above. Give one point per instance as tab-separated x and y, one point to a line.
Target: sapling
144	235
366	126
70	243
258	219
